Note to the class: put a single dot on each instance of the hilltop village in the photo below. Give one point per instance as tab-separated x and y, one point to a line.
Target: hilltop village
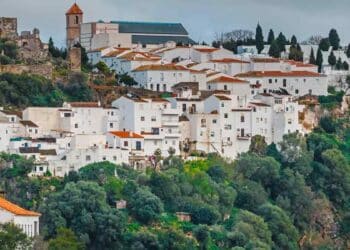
134	106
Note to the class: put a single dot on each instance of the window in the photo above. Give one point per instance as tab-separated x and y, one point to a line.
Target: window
111	125
164	87
104	158
225	87
284	82
276	80
214	121
228	127
151	86
289	121
126	143
242	118
76	125
270	80
225	115
76	19
297	91
153	119
212	134
114	158
142	118
222	104
67	115
36	131
184	107
203	123
88	158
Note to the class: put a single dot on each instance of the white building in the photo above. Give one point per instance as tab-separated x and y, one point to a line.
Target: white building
24	219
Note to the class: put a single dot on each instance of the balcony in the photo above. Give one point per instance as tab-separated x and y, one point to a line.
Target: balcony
245	137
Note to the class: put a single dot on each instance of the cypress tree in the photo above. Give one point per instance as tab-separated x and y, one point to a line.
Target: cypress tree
259	39
324	44
345	65
334	39
312	59
339	64
274	50
348	51
294	40
271	37
319	60
281	41
332	60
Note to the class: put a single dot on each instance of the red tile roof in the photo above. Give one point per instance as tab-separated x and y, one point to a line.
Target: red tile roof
259	104
228	60
265	60
84	104
226	79
126	134
29	124
161	67
223	98
279	74
74	10
14	209
206	50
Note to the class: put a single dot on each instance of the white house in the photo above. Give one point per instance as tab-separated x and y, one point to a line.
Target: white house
26	220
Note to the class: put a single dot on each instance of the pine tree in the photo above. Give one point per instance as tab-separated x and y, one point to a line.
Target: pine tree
345	65
334	39
312	59
259	39
271	37
332	60
319	59
274	50
348	51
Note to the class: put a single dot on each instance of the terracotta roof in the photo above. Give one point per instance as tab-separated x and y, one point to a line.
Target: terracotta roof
279	74
206	50
161	67
140	56
29	150
74	10
223	98
241	110
157	99
29	124
265	60
115	53
14	209
84	104
299	64
226	79
259	104
228	60
126	134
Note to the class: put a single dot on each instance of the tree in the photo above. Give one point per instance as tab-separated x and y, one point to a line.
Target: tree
334	39
348	51
54	52
258	145
339	64
281	42
295	53
337	181
126	80
259	39
312	59
103	68
274	50
270	37
319	60
250	195
294	41
145	206
345	65
313	40
324	44
12	237
332	60
201	232
82	207
284	233
65	239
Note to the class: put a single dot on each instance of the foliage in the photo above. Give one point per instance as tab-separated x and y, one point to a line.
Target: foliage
332	60
259	39
324	44
312	59
65	239
270	37
103	68
77	88
319	59
334	39
12	237
126	80
274	50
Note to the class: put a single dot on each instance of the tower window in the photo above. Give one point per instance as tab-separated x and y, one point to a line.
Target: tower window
76	19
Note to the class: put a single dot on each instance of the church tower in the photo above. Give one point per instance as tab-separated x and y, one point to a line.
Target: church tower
74	18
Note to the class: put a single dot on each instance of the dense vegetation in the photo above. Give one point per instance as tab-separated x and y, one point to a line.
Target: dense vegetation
32	90
286	198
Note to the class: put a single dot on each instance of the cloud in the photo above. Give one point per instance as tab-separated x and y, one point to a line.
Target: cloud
202	18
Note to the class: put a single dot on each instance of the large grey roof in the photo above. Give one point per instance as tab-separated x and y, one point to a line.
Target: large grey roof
151	28
145	39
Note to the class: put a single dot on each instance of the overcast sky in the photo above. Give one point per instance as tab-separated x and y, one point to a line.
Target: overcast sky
202	18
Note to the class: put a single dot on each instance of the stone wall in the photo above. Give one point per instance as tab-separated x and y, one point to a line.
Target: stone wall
74	57
8	27
44	70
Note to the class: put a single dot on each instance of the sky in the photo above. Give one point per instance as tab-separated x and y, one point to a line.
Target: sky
202	18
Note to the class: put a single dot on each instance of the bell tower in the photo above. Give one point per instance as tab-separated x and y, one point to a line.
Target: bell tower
74	18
